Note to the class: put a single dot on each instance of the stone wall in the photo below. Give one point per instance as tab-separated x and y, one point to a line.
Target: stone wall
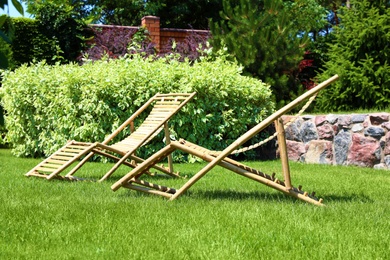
357	139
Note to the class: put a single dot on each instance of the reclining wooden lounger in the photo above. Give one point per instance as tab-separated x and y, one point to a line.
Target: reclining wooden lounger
164	106
133	180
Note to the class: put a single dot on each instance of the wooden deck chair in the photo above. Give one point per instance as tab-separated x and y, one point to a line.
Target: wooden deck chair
164	106
133	180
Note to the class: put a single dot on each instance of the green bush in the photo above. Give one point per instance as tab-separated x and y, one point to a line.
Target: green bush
28	43
25	33
48	105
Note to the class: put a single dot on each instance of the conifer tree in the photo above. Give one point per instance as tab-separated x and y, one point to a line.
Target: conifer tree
360	54
268	39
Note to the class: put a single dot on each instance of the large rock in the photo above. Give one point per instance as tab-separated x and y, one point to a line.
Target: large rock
386	125
344	122
319	151
332	119
342	142
295	150
325	131
365	151
357	128
320	120
375	132
387	161
293	133
379	118
386	149
308	132
358	118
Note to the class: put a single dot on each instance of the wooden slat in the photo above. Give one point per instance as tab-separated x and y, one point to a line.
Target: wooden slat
37	174
67	154
81	147
71	150
56	161
53	166
167	103
45	169
65	158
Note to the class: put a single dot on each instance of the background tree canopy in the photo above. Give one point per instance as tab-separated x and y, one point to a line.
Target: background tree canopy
173	13
273	36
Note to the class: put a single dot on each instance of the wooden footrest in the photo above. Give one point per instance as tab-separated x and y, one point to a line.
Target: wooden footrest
60	160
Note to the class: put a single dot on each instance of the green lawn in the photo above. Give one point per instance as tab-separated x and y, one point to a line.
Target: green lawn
223	216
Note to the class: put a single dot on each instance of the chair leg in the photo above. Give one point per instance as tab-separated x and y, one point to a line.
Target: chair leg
168	141
283	153
116	166
81	163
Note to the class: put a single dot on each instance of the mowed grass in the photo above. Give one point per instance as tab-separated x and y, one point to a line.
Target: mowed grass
223	216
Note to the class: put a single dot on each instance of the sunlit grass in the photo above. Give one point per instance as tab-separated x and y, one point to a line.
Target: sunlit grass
223	216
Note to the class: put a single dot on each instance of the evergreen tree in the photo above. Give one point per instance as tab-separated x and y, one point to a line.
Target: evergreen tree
360	54
268	38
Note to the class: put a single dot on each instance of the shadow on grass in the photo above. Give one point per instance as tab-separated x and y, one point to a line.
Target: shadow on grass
353	197
265	196
154	178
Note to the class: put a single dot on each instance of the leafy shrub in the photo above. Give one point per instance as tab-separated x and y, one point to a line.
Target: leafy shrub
109	41
48	105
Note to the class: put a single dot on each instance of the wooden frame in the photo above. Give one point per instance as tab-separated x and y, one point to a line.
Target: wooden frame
164	106
132	179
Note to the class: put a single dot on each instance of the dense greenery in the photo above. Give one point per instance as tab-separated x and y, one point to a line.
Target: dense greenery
6	61
6	31
223	216
37	48
360	55
47	105
173	13
62	27
54	35
273	36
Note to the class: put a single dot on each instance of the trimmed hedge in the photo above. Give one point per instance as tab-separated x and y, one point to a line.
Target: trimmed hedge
48	105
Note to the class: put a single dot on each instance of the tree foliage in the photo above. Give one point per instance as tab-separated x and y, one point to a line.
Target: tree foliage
360	55
185	14
5	34
268	38
173	13
5	50
61	25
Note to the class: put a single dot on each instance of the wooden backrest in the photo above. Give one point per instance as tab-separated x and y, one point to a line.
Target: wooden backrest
164	106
